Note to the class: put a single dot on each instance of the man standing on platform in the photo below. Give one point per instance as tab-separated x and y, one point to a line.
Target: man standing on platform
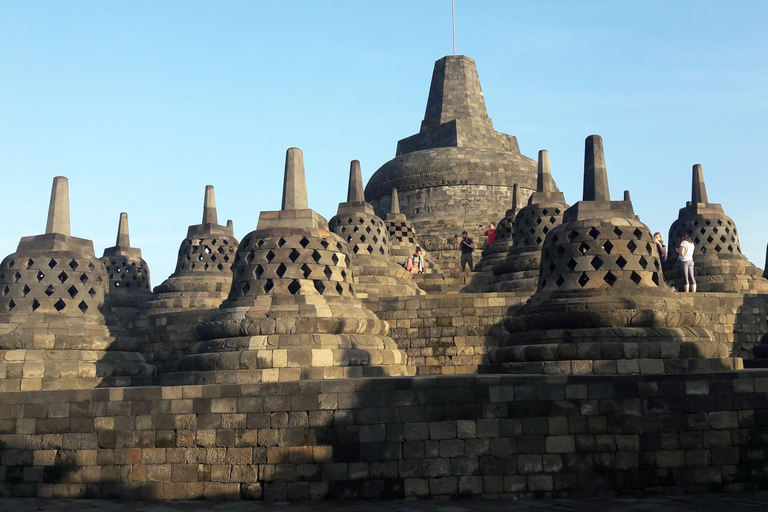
467	246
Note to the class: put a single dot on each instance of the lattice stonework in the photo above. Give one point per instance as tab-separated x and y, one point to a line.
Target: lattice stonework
533	223
580	256
52	284
711	236
364	235
213	255
292	264
401	232
124	273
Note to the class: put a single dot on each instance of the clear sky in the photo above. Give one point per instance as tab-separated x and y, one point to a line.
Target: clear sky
142	103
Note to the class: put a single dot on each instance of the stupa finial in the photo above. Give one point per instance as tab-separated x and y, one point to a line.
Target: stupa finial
355	192
123	238
515	197
545	182
595	173
58	209
294	181
395	202
209	207
699	188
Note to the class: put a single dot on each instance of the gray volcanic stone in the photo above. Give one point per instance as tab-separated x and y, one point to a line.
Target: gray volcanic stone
601	305
718	263
495	254
402	237
377	274
292	312
520	269
457	172
203	267
53	330
128	273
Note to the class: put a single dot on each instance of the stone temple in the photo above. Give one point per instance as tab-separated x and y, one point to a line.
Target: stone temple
304	363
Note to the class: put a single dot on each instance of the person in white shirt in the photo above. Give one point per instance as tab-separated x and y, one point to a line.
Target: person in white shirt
415	262
685	250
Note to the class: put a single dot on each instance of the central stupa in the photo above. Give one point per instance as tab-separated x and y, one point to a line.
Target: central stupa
457	173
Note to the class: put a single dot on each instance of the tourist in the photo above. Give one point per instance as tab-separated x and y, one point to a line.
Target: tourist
415	262
490	233
686	262
466	245
661	248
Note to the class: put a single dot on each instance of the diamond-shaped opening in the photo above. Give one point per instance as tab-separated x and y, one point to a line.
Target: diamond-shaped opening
328	272
571	264
730	248
281	242
554	238
596	262
532	231
583	279
608	247
632	246
52	263
720	222
213	259
306	270
270	256
30	262
708	223
91	267
10	264
718	248
544	211
618	231
83	306
621	262
696	240
72	291
545	230
635	277
206	267
83	278
573	235
552	266
552	220
319	286
368	230
559	281
226	258
370	249
583	248
60	304
49	291
344	274
294	255
375	239
382	251
594	232
643	262
294	287
361	220
63	277
11	304
258	271
221	250
304	242
92	292
324	243
220	266
245	289
280	271
213	242
207	250
16	277
703	250
363	238
73	265
702	230
316	256
723	239
26	290
339	289
538	220
638	233
539	240
560	250
610	278
655	278
259	243
335	258
40	276
268	285
355	249
35	304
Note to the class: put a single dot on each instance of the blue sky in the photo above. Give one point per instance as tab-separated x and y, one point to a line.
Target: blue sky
141	104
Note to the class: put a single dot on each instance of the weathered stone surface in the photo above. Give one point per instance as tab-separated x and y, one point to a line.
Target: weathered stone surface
402	237
719	265
128	273
457	172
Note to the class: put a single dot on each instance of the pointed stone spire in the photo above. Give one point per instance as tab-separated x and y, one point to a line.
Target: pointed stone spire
455	92
355	191
515	197
123	238
209	207
545	182
294	181
58	209
699	188
395	204
595	173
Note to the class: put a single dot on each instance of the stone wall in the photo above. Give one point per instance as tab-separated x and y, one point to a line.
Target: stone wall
424	437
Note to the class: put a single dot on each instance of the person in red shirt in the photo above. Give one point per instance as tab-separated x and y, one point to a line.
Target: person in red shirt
490	233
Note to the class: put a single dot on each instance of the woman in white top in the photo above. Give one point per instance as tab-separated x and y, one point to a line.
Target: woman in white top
415	263
686	262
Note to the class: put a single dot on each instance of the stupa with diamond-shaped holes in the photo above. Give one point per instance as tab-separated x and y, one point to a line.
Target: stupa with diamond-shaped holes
376	273
204	265
53	329
519	271
402	237
602	305
128	273
719	265
292	312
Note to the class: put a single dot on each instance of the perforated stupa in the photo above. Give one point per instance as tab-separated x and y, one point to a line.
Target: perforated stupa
128	273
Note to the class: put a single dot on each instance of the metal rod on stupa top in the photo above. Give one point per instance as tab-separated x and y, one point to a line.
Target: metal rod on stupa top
58	209
294	181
